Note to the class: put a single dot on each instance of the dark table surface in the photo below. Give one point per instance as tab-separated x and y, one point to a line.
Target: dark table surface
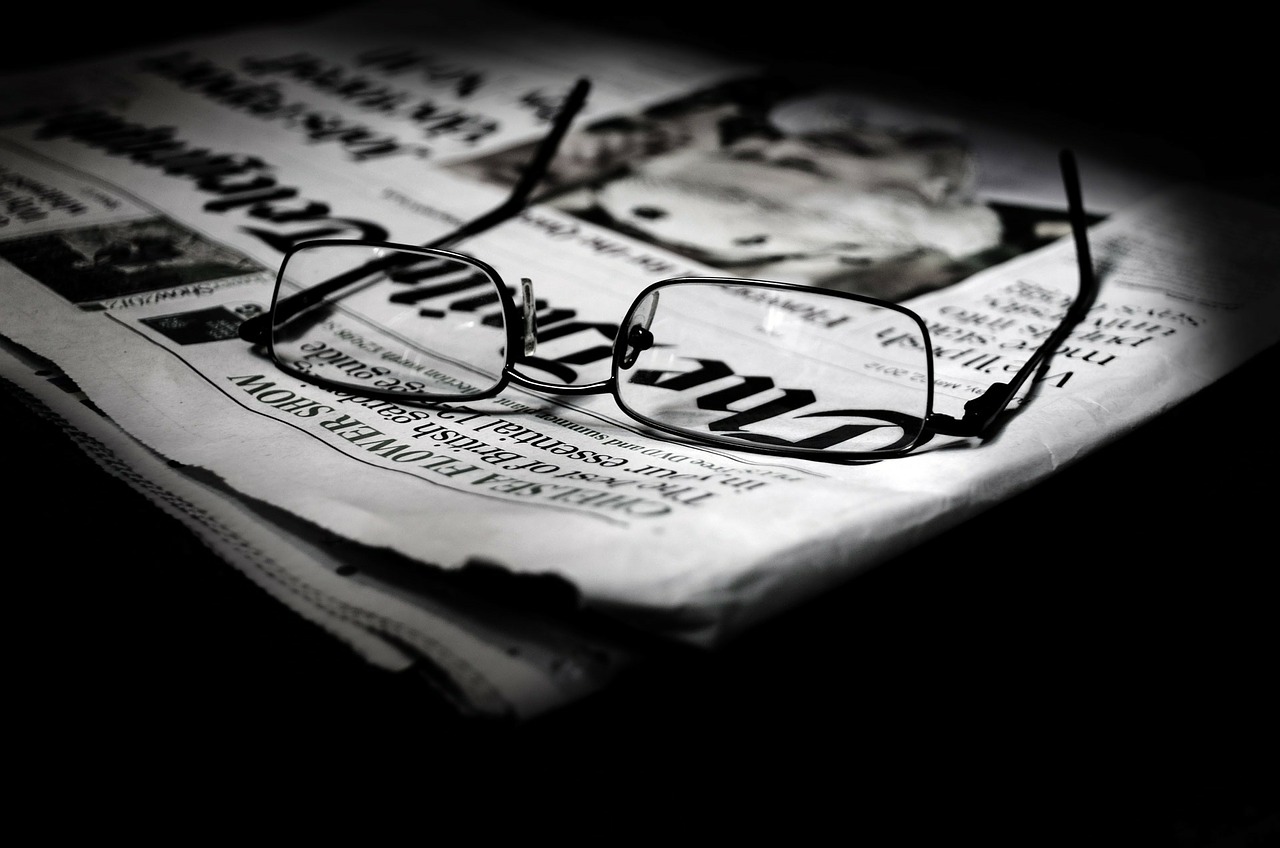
1098	654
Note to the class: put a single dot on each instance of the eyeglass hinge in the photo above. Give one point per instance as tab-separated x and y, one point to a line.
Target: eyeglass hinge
254	330
978	414
947	425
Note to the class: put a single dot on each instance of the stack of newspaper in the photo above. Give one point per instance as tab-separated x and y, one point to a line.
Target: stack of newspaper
146	200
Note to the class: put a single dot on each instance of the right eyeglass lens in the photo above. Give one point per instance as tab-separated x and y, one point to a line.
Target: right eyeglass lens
750	363
422	324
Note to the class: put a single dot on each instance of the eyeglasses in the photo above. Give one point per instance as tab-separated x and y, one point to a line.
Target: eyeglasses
744	364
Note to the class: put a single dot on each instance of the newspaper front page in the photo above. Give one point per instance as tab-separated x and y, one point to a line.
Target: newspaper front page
148	199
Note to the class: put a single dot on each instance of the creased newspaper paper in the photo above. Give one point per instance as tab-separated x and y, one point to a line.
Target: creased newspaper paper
487	656
149	198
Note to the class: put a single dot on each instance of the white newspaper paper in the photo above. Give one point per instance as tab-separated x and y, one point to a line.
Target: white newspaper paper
149	198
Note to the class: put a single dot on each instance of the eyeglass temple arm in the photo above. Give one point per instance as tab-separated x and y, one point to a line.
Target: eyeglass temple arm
981	412
257	328
532	173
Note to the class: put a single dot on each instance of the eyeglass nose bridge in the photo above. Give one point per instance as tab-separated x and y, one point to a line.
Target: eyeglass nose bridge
528	342
528	317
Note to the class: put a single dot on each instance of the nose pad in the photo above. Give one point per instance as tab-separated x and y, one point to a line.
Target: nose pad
528	320
639	339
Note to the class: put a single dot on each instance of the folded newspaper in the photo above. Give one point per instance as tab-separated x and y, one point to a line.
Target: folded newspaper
512	548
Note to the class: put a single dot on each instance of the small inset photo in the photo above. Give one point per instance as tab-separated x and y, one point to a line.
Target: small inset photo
125	258
210	324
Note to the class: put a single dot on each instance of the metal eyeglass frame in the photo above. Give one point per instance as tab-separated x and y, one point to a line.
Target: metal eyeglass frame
980	414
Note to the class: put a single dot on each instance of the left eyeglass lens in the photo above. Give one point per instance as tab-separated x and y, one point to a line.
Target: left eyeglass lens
391	320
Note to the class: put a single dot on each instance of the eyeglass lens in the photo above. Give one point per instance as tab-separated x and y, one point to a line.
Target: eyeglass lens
429	325
745	362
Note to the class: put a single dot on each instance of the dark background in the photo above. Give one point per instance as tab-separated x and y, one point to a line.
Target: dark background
1094	658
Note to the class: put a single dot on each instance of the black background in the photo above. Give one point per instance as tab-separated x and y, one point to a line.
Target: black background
1094	658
